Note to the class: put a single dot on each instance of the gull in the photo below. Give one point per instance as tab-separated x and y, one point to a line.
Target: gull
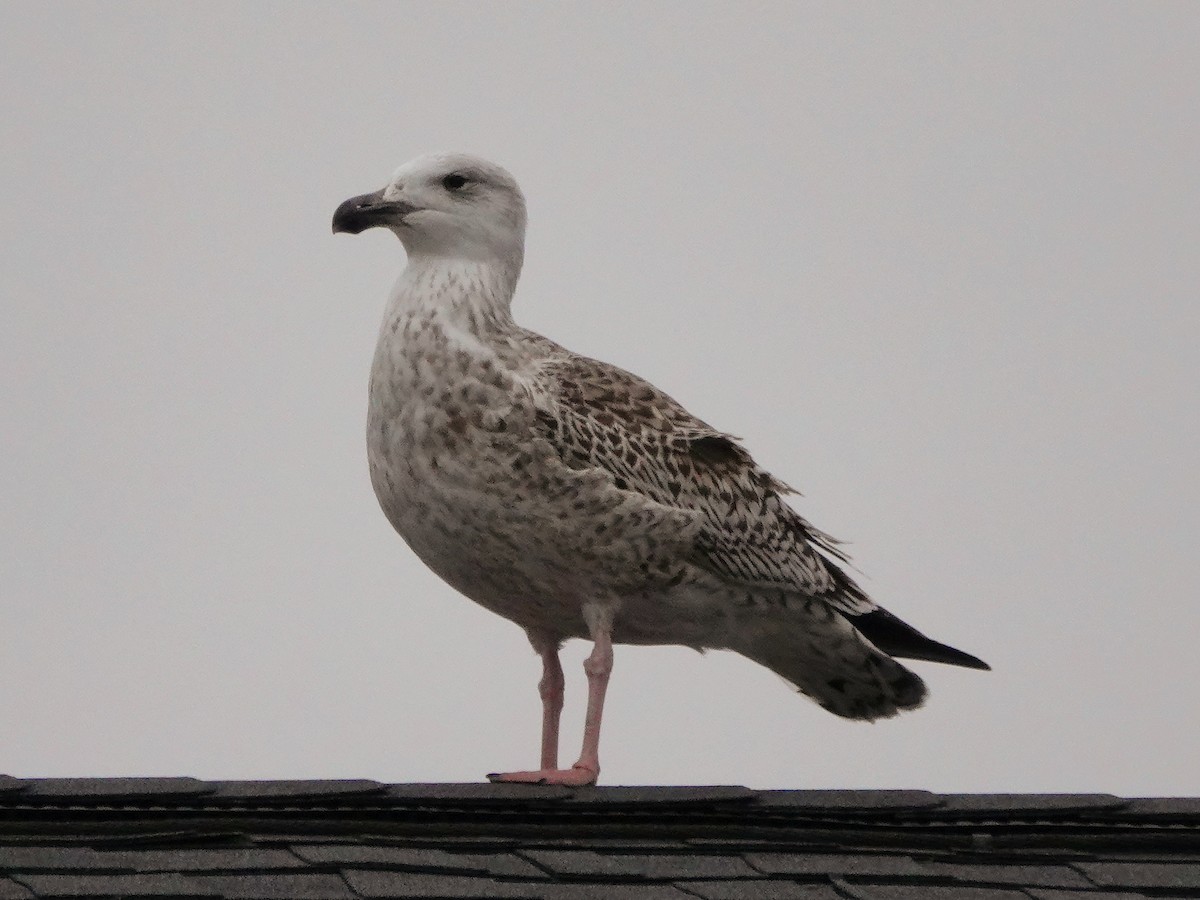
580	501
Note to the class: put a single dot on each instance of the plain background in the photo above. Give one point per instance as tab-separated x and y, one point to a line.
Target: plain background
936	263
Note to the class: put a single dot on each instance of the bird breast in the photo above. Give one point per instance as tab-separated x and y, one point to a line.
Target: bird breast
443	413
463	475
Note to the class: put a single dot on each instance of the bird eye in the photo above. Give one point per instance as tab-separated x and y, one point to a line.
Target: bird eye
454	181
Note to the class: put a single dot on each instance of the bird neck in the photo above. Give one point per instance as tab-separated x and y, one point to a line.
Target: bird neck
473	294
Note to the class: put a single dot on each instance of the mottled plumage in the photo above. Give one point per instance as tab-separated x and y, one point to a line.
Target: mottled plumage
578	500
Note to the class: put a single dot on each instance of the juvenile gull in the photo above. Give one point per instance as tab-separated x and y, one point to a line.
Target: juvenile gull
578	500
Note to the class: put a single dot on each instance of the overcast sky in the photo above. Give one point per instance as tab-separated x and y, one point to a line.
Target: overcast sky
937	264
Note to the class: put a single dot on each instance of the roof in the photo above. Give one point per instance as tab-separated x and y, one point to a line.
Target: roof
181	837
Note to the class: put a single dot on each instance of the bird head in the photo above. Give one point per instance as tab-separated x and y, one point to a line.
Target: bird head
446	205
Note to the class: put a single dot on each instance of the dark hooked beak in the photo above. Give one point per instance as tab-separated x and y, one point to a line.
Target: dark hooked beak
367	211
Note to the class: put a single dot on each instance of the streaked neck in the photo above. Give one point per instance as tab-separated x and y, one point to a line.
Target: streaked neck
473	294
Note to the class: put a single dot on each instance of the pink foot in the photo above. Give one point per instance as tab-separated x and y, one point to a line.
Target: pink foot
576	776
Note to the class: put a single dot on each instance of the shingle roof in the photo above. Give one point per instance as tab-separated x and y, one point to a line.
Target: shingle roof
180	837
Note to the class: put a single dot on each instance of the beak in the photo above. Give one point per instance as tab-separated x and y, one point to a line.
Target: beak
368	211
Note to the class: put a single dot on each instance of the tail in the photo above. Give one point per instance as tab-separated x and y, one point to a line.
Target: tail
829	661
897	638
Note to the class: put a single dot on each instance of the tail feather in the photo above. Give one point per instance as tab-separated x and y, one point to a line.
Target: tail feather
827	660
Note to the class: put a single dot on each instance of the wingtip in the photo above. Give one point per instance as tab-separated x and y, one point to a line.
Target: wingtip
897	638
952	656
958	658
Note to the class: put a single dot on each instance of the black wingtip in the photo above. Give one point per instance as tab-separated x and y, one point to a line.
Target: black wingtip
897	638
954	657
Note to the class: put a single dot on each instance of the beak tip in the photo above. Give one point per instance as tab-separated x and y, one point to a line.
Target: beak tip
358	214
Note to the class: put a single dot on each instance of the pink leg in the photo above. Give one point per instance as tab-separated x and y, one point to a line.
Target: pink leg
551	690
598	666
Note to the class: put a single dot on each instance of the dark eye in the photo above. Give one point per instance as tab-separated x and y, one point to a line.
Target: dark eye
454	181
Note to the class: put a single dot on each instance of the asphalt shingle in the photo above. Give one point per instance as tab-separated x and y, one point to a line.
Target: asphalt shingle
504	865
650	866
833	864
491	794
664	796
10	890
296	790
1060	876
664	866
314	886
1142	874
426	859
1052	894
206	860
927	892
10	785
574	863
405	858
759	890
1012	804
52	859
611	892
841	802
109	790
1170	807
312	840
372	883
152	885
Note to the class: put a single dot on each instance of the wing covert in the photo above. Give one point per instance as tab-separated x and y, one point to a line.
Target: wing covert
599	416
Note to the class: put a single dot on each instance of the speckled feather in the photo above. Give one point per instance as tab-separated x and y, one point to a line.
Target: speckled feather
552	488
599	415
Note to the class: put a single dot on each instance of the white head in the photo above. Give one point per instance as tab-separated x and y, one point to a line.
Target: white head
445	205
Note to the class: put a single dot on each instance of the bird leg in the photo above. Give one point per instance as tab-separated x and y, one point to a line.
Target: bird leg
551	690
598	666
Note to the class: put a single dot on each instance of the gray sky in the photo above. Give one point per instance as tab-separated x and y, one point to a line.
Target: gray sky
937	264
